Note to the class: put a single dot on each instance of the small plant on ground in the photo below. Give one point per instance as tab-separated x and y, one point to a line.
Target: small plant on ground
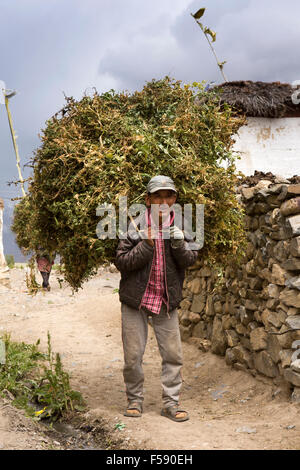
31	283
37	380
120	426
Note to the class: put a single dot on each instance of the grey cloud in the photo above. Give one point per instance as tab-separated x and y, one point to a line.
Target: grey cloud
257	39
55	46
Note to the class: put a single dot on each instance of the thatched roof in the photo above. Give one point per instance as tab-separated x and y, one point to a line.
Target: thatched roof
1	203
260	99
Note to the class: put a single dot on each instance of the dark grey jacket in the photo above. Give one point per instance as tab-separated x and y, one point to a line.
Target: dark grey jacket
134	259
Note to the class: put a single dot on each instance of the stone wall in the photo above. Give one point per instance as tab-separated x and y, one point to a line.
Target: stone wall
251	314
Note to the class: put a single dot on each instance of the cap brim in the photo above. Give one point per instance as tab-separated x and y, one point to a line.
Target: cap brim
163	187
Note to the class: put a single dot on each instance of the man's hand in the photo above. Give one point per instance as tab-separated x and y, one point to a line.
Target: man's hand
176	237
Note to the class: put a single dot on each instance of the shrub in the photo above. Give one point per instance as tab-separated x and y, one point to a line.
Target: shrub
10	261
36	380
110	145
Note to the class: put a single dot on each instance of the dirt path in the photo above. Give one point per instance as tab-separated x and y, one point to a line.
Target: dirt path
229	409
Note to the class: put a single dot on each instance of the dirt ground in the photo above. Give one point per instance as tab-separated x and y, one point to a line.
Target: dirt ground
229	409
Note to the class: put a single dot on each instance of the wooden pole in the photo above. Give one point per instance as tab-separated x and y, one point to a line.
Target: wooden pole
15	144
2	257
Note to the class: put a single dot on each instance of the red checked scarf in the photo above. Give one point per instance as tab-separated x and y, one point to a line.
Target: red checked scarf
155	293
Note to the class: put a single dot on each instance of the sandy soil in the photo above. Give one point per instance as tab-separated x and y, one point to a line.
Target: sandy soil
229	409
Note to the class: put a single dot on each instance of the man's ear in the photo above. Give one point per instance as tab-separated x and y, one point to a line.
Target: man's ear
148	201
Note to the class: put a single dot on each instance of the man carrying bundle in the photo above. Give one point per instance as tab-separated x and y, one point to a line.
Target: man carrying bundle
152	269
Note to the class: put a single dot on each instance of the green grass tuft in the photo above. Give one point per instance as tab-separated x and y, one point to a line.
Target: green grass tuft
37	381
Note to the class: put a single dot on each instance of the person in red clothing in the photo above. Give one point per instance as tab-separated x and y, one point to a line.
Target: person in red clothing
44	264
152	272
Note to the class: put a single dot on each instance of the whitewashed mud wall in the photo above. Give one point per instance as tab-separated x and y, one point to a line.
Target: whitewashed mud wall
266	143
252	317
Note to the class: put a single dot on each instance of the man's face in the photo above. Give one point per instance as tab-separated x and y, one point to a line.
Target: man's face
163	197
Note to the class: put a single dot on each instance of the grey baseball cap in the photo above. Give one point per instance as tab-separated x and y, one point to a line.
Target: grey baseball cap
160	182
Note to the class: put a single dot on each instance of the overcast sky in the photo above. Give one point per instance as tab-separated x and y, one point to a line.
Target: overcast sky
51	47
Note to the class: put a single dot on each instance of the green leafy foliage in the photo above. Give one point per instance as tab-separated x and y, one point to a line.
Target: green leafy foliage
110	145
212	34
120	426
31	283
199	13
211	37
10	261
37	380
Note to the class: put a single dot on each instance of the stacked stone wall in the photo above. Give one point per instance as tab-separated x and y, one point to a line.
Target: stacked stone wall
251	314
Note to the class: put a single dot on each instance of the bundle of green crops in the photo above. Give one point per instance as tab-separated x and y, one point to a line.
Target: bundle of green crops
106	146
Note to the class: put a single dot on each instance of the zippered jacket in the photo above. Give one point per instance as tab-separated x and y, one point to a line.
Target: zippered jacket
134	258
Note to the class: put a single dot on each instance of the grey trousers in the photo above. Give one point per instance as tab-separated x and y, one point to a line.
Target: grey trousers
134	337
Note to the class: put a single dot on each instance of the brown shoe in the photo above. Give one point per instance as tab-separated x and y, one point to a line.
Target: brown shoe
134	410
172	413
